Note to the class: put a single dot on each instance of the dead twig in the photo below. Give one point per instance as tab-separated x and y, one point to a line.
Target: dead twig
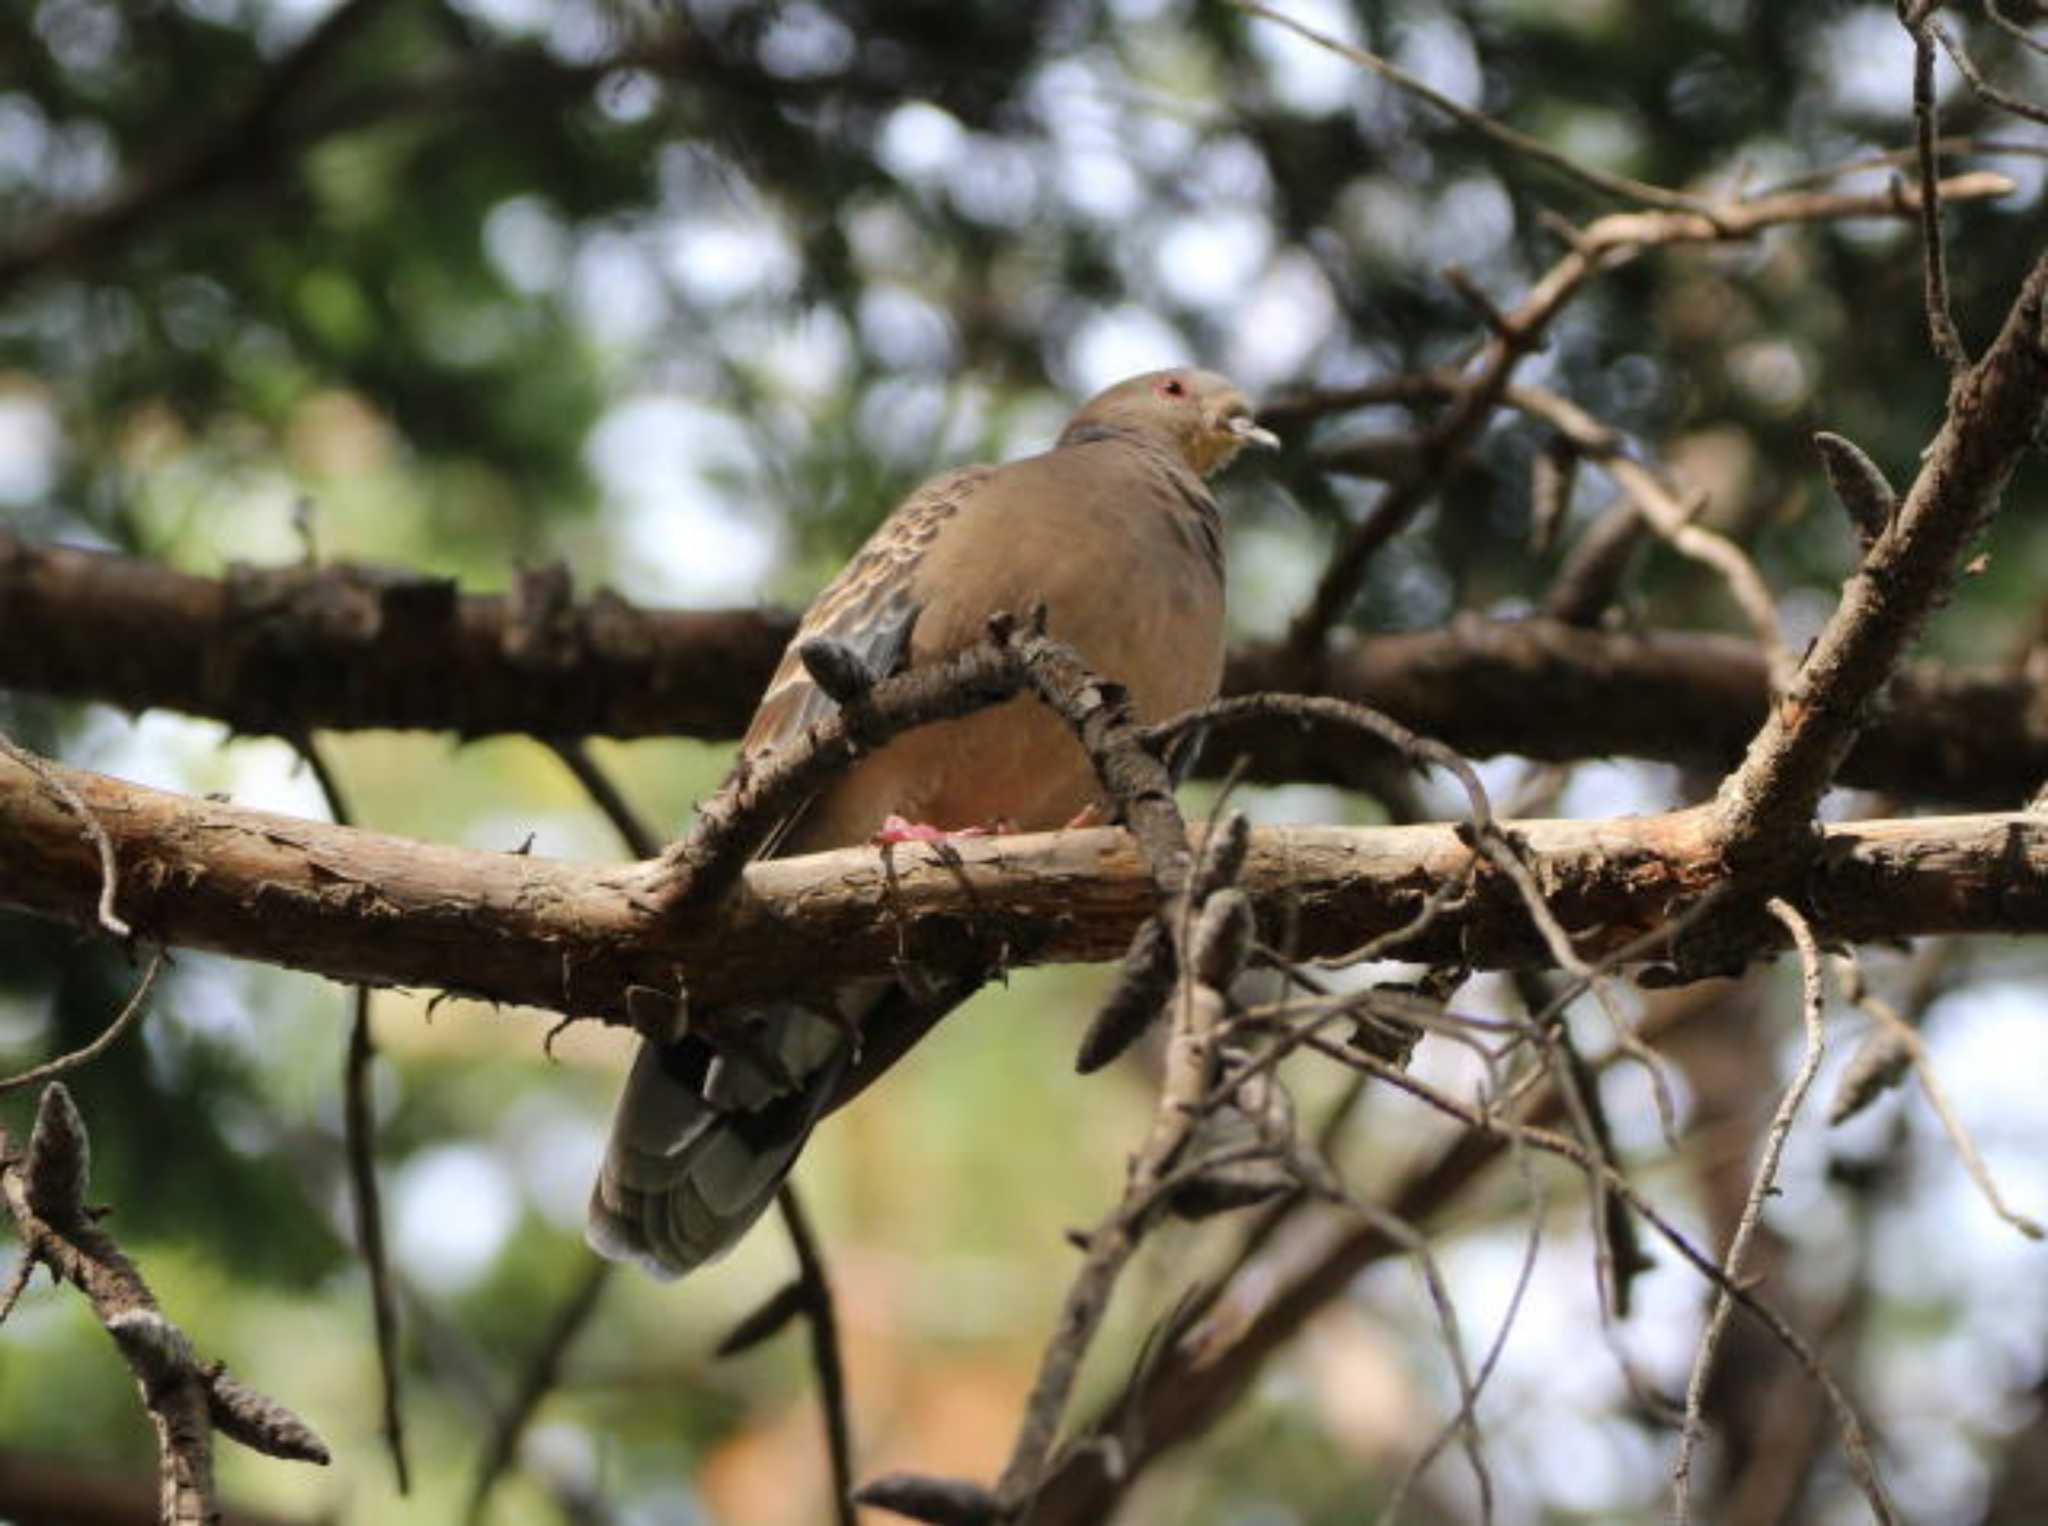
815	1289
1855	1440
1618	186
734	823
1966	66
359	1138
1601	245
1941	322
536	1381
1907	1041
187	1400
130	1014
96	834
1812	998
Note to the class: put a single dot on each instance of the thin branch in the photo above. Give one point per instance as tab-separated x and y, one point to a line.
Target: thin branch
1618	186
536	1381
2004	100
1524	1275
812	1289
96	834
1813	997
187	1401
1209	928
734	823
1464	1424
1941	322
640	839
359	1130
1900	158
2014	29
1658	505
130	1014
1670	518
359	1138
1257	1309
815	1289
1849	973
1855	1440
1602	245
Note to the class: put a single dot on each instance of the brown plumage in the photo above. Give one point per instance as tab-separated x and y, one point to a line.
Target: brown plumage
1115	533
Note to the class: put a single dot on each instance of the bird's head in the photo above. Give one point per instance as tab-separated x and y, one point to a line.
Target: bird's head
1198	413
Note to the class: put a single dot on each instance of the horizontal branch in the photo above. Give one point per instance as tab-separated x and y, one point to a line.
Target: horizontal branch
293	650
289	650
588	939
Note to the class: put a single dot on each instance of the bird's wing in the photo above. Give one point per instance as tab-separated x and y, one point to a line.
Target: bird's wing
871	608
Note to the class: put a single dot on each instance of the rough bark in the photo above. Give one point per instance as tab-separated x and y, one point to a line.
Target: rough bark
294	650
363	906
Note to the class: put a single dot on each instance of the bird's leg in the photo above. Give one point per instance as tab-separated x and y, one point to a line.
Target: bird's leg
1090	815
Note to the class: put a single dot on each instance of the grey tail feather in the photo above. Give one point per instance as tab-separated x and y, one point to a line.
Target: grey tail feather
700	1142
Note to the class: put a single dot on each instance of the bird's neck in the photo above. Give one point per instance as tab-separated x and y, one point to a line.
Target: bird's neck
1194	511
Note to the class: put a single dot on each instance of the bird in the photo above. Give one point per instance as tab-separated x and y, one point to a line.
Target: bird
1114	534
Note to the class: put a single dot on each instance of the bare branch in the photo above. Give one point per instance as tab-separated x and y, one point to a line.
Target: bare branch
537	1380
1812	999
1602	245
336	647
130	1014
814	1290
1535	149
110	878
810	1294
1941	321
359	1138
2004	100
359	905
1996	406
44	1190
1671	519
1849	972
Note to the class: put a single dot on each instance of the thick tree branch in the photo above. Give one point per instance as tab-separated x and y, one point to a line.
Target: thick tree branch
292	650
298	649
356	905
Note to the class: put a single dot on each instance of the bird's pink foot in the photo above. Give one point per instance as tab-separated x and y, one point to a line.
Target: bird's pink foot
896	829
1090	815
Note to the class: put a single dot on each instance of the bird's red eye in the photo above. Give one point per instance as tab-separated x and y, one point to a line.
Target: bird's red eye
1173	386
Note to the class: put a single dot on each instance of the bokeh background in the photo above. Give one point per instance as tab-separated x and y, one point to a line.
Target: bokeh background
685	296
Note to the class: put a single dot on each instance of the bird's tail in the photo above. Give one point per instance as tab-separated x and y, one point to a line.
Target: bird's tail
701	1139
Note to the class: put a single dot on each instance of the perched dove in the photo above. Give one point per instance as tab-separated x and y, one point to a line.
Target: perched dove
1114	532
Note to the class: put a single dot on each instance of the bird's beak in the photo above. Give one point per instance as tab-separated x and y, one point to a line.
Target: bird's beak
1249	433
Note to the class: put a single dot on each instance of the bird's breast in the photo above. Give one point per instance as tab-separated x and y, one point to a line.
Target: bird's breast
1123	581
